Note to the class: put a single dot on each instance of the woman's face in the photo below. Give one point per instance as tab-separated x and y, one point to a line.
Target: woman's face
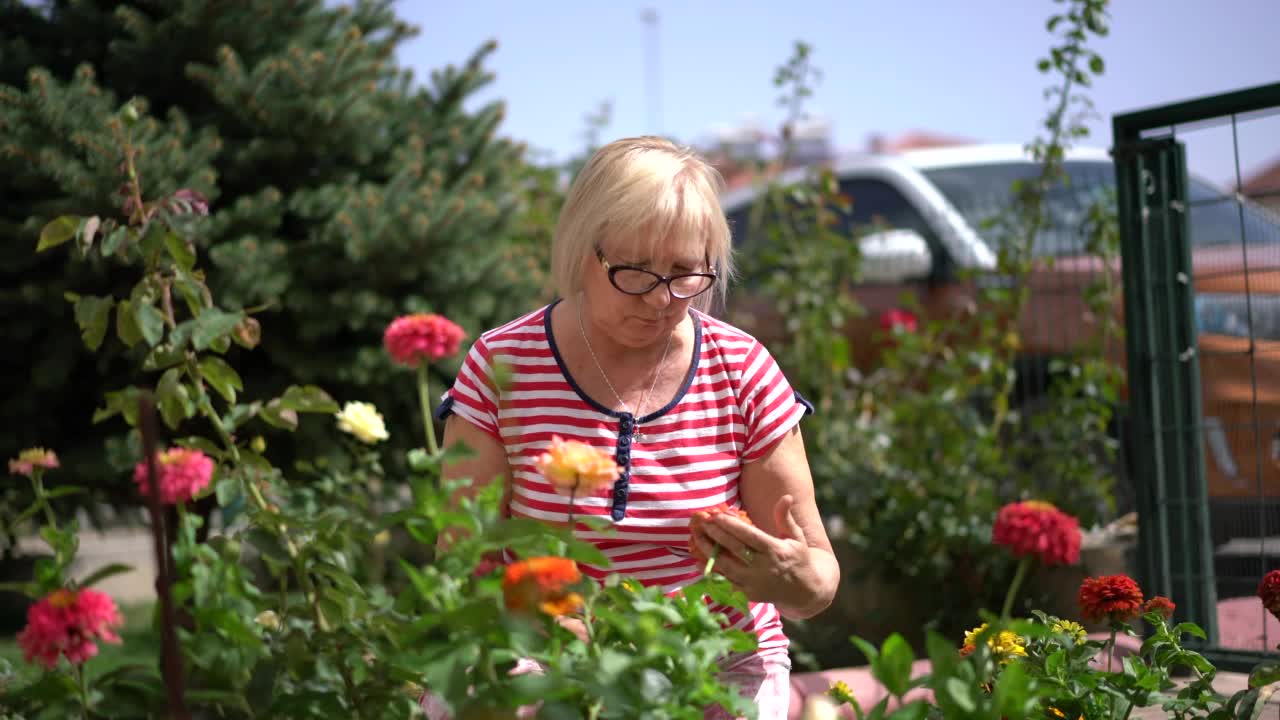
638	321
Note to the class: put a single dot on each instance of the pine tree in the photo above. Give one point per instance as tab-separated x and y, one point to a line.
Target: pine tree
343	193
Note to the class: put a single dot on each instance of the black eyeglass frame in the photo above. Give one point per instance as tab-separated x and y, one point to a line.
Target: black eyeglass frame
613	270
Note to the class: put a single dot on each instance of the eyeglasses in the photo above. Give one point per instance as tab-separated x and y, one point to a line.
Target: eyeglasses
638	281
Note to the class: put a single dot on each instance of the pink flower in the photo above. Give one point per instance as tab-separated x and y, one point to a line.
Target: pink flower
30	459
1038	529
67	622
181	474
412	339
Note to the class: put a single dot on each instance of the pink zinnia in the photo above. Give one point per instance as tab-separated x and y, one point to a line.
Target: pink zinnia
411	339
181	474
1038	529
67	622
30	459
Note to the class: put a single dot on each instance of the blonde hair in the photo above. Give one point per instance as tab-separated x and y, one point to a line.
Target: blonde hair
635	193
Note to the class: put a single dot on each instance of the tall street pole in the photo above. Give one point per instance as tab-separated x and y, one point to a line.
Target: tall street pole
652	69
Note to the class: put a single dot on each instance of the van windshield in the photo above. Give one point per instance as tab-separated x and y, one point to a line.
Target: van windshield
981	192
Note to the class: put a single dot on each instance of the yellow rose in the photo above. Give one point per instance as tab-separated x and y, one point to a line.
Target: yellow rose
363	421
576	468
268	619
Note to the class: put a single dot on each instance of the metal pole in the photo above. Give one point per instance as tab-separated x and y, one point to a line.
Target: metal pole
652	69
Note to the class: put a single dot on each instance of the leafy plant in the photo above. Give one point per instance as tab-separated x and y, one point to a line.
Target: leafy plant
287	610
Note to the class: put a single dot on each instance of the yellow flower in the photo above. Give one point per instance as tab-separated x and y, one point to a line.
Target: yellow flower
363	421
841	693
576	468
1005	645
1071	629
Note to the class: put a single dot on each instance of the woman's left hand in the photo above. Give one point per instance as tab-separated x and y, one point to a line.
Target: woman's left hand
766	568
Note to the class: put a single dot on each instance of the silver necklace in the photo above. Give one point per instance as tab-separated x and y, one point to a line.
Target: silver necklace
656	374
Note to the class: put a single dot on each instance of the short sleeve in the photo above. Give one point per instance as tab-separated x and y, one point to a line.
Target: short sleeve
474	395
770	406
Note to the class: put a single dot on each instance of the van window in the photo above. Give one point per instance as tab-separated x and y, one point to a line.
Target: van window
876	203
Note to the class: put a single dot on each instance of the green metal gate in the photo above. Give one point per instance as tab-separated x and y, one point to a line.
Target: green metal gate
1201	271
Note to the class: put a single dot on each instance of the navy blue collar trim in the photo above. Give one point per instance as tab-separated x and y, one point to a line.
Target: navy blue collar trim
684	388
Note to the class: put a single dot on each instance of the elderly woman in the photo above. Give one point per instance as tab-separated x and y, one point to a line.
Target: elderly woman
695	411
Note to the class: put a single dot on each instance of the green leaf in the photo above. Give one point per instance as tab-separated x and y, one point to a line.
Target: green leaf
276	415
307	398
213	324
127	324
105	572
120	402
113	241
867	649
221	377
182	254
58	231
1096	65
894	670
150	322
961	693
92	314
1013	691
86	231
1264	674
173	399
163	357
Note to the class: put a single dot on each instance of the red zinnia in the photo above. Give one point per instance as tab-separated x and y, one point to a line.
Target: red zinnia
1116	597
1269	591
1160	604
700	517
896	318
67	622
1035	528
542	583
412	339
181	473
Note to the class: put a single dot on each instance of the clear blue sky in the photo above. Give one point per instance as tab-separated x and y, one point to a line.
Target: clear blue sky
961	68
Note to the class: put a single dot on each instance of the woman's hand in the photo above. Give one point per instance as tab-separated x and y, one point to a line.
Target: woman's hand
783	570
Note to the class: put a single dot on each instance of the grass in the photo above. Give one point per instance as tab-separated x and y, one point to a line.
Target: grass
140	645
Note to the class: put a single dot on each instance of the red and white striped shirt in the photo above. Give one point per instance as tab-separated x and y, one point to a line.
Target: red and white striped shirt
733	407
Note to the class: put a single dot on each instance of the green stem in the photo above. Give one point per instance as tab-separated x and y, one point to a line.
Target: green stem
1111	647
573	492
83	688
424	397
37	481
711	561
304	579
1023	566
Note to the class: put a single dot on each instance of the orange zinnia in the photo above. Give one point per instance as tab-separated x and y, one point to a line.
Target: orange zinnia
542	583
700	518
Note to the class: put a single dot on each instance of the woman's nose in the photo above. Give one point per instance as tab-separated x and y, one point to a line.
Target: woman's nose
659	297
